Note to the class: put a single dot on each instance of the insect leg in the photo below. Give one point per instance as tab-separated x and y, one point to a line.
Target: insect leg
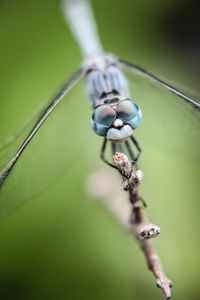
138	148
102	154
143	202
130	151
113	145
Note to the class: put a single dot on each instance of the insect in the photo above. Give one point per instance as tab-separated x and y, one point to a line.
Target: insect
115	116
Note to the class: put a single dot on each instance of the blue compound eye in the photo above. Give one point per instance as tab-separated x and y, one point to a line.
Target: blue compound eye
102	118
129	112
104	114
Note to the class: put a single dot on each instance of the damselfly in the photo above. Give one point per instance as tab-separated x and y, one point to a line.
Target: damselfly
115	116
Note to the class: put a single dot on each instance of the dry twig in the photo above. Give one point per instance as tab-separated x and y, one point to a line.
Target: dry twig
143	231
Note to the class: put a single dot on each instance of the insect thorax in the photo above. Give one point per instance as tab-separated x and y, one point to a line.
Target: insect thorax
105	82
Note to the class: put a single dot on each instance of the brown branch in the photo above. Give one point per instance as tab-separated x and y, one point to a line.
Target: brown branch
143	230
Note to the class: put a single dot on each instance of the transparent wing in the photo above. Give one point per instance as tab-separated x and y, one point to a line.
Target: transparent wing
171	119
140	71
42	118
59	143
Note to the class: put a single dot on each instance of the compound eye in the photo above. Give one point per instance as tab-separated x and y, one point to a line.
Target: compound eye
104	115
127	110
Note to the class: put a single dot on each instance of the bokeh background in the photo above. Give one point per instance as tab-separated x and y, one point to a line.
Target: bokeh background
63	244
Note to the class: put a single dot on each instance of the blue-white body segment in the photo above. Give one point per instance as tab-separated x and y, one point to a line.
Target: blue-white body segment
106	84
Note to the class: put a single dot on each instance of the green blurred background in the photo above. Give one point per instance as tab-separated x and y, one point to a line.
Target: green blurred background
63	244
